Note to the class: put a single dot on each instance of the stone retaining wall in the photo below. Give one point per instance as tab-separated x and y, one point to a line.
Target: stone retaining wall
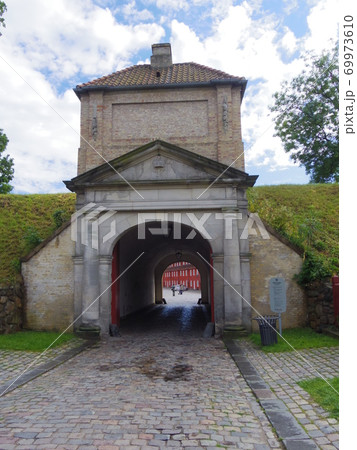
320	304
11	308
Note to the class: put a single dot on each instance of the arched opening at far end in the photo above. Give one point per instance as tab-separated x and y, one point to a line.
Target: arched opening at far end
182	279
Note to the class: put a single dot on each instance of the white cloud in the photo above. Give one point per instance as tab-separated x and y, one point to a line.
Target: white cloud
43	145
240	45
175	5
49	44
69	37
288	42
290	6
130	11
322	23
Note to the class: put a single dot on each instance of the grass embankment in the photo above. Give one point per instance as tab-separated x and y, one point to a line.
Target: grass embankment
21	215
308	216
298	338
323	394
32	341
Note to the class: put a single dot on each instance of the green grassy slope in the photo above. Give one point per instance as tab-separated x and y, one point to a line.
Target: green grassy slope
17	214
307	215
291	209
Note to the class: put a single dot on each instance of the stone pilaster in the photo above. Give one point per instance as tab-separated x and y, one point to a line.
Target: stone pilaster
90	287
105	280
232	272
218	292
77	296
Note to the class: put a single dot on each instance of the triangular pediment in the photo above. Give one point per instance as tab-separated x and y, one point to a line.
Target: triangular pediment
160	162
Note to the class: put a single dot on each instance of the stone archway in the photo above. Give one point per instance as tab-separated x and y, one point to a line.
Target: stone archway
141	285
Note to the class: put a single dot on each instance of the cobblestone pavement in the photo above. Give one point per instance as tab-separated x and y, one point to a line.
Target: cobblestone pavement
12	363
158	385
282	371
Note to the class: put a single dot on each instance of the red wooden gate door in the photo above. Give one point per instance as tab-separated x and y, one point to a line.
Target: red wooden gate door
115	307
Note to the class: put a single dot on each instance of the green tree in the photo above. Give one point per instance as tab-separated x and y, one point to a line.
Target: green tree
307	117
2	10
6	166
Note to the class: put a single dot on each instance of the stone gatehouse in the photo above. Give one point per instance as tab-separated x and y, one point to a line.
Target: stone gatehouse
161	178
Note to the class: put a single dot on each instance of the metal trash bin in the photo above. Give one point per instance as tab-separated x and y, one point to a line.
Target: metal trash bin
267	329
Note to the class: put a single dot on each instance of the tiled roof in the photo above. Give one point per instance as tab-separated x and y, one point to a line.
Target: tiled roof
146	75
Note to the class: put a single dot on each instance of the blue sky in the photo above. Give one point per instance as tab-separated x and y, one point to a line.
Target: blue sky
47	48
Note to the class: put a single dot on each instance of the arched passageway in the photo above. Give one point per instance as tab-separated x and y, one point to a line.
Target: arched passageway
140	286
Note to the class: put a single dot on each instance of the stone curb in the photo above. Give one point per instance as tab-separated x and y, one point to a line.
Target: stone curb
46	367
292	435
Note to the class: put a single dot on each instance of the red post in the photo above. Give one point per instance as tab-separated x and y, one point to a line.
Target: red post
335	293
115	312
211	287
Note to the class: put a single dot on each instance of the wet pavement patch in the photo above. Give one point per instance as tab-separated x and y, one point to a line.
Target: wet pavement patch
148	367
178	372
152	369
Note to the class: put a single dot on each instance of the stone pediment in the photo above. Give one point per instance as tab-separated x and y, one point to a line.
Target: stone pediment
159	162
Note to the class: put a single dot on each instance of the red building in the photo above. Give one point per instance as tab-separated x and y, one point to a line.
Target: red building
182	273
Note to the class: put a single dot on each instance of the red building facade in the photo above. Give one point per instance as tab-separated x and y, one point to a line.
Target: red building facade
182	273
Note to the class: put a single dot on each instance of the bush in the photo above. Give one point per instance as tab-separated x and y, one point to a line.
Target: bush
59	218
16	265
32	237
314	267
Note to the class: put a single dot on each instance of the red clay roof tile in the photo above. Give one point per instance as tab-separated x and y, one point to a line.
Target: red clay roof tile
146	75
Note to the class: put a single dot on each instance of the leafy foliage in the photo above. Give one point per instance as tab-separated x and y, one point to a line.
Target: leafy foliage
6	166
32	237
307	117
3	8
60	217
314	267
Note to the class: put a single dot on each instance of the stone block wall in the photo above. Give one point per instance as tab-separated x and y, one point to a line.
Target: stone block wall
11	308
48	279
320	304
270	258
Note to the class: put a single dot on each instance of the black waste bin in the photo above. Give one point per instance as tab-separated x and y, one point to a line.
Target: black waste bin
267	329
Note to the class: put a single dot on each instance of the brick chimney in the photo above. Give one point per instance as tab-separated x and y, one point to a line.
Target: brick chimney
161	55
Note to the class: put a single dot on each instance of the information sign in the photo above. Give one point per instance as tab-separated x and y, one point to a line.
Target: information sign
277	291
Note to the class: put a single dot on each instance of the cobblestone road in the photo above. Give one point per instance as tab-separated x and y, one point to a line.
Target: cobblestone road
159	384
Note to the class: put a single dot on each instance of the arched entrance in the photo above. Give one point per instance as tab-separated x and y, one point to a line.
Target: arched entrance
181	275
140	286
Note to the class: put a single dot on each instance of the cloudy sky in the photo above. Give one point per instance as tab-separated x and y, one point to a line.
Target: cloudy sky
48	47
